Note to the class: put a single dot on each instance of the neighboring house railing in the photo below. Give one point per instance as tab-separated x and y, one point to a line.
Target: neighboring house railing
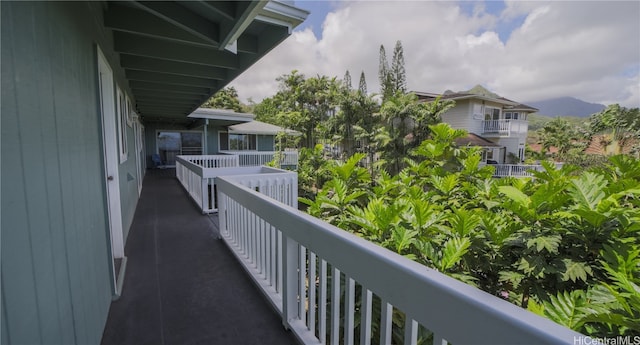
213	161
310	270
515	170
198	174
504	127
253	158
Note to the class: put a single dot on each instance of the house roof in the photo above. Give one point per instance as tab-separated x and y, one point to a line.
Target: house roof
257	127
473	139
477	92
221	114
176	54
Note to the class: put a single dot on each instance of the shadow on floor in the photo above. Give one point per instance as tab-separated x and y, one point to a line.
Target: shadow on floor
182	284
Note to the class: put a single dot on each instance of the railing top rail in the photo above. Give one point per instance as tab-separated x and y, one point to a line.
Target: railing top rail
228	152
190	165
517	165
406	284
504	120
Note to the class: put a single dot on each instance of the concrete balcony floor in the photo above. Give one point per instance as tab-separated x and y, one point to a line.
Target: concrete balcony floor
182	284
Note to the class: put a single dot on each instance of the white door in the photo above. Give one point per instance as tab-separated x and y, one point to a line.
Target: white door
110	146
137	132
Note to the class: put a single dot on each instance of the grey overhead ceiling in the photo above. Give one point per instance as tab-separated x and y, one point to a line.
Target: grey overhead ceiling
176	54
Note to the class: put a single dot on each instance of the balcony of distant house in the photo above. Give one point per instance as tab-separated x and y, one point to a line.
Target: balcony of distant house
506	124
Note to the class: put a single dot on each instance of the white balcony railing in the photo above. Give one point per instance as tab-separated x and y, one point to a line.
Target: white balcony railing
504	127
515	170
198	174
213	161
254	158
310	270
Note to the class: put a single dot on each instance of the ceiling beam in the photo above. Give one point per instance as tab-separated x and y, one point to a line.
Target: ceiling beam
143	63
144	85
225	8
175	112
167	110
136	45
163	100
134	20
164	78
145	93
183	18
245	13
153	106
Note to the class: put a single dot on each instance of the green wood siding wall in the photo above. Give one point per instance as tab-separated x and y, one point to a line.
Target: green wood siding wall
56	283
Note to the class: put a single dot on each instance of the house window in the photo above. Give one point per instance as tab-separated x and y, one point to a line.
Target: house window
512	116
487	154
122	115
173	143
238	142
491	113
477	110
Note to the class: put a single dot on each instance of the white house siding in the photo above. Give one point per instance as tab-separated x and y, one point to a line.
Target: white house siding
511	145
475	121
459	116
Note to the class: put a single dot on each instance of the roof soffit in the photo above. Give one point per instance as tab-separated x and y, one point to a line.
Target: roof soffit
173	52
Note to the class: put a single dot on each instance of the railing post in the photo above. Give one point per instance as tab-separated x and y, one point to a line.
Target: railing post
290	284
222	214
205	195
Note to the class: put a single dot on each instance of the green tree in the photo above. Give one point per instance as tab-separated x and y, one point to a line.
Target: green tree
303	104
406	121
560	134
362	86
397	73
346	81
226	98
384	75
355	117
619	126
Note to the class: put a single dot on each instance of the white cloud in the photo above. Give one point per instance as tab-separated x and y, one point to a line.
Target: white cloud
588	50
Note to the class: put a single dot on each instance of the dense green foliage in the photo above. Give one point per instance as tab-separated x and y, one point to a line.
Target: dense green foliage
564	244
568	139
303	104
618	126
226	98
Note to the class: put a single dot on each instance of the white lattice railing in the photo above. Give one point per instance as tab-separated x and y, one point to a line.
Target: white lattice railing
322	280
198	174
254	158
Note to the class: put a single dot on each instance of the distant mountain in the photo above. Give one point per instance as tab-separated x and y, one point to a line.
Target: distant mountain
566	106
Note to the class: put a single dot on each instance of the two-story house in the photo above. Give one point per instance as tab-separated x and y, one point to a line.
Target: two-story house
497	121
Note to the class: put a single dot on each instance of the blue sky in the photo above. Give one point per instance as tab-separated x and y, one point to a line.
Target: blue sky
522	50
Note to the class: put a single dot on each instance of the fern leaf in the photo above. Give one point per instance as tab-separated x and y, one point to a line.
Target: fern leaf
566	308
515	195
454	250
587	190
575	270
548	243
